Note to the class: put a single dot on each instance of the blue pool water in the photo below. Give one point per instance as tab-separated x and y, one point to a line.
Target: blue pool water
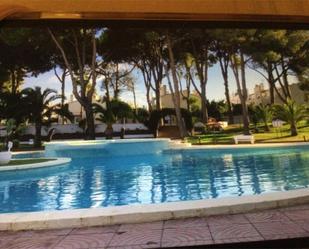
118	173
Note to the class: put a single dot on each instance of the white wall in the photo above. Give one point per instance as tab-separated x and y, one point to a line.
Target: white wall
74	128
117	127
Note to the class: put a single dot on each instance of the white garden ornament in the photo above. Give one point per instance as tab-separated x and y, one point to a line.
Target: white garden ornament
5	156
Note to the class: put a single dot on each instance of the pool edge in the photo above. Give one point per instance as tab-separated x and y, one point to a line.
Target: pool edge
150	212
256	145
56	161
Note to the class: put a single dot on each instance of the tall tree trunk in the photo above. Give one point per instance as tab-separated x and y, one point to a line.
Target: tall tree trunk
38	136
83	95
107	94
293	129
188	94
116	90
157	73
134	99
90	132
228	102
185	95
202	72
148	99
204	105
286	84
188	84
245	95
158	96
176	94
13	82
271	94
224	63
188	87
285	79
62	81
63	88
245	116
147	82
271	83
203	76
241	90
284	94
266	127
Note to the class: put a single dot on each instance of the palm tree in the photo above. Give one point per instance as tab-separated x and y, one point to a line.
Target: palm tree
105	116
13	131
12	107
265	114
292	113
41	108
121	110
117	110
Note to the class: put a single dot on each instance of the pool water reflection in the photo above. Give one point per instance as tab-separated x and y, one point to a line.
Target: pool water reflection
171	175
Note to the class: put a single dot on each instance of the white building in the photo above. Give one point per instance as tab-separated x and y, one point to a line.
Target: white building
166	98
78	111
261	95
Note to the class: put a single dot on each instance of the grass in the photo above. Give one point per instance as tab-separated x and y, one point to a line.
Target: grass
274	136
24	147
27	161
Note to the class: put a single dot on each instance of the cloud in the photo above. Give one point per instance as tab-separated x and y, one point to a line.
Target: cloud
46	80
140	97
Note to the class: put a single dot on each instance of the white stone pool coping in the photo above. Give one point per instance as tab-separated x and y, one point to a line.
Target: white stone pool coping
150	212
103	141
55	162
27	152
235	146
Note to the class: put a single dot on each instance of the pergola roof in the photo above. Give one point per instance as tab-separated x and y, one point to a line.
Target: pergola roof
288	11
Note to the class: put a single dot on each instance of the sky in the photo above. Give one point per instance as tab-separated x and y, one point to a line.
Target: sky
215	87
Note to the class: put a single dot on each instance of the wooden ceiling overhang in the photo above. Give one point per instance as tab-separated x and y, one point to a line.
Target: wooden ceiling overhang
278	11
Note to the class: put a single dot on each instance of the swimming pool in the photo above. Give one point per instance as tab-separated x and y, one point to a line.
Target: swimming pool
113	173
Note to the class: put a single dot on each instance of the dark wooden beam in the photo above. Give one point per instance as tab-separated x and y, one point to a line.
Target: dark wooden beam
286	11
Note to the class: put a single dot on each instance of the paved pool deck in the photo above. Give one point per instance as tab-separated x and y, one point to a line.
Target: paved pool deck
291	223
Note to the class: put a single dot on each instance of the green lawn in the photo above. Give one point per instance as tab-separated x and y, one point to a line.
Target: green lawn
24	147
274	136
28	161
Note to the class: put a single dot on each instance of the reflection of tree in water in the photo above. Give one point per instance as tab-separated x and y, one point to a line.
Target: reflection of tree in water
155	178
294	172
237	166
165	176
190	179
303	161
84	180
14	193
119	181
252	162
33	190
275	171
178	178
59	193
213	189
159	182
221	175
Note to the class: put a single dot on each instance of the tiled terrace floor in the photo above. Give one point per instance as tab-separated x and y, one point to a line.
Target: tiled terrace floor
285	223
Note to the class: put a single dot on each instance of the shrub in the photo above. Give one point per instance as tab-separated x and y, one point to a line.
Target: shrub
292	113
